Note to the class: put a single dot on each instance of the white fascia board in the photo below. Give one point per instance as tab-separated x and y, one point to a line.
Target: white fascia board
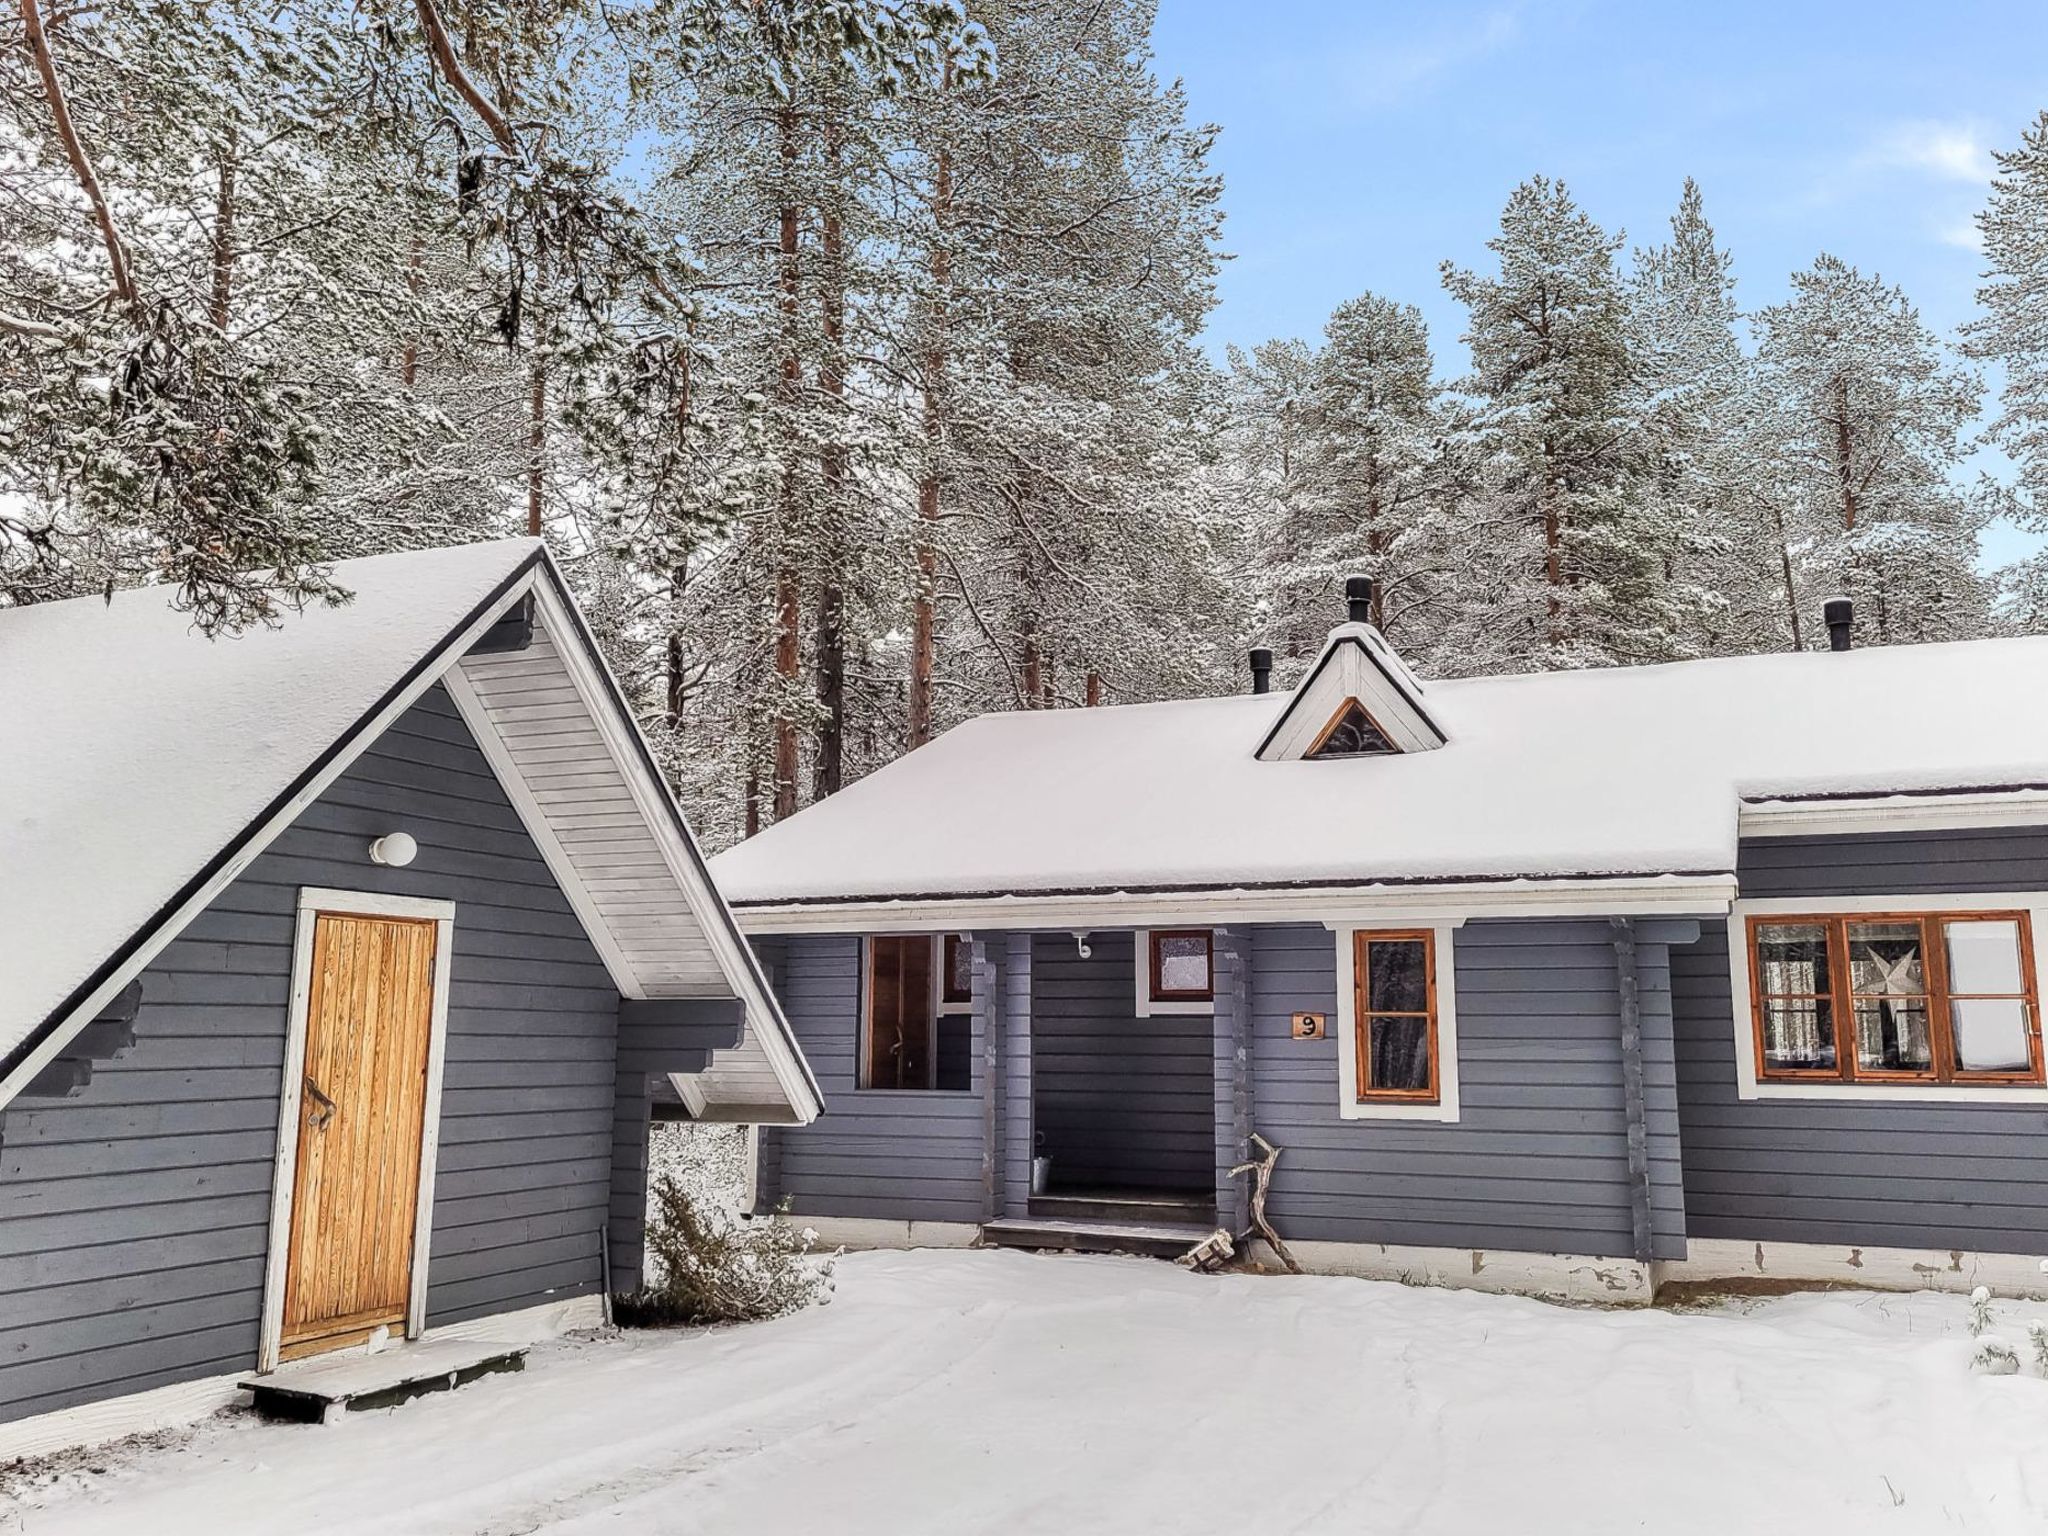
253	845
1960	812
1635	896
601	694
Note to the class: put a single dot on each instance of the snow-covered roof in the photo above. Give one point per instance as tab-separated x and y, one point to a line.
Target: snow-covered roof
1636	771
143	765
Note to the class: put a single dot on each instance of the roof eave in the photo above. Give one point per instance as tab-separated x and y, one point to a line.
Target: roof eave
1674	893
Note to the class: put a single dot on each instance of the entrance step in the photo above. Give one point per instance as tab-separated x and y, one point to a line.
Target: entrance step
322	1387
1125	1207
1151	1239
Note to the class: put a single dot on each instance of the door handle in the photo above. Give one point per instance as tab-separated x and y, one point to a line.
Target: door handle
324	1107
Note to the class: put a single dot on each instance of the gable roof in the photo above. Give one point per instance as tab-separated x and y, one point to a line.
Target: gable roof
151	765
1355	666
1624	774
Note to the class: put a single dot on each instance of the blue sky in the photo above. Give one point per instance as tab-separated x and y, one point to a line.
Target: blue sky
1365	143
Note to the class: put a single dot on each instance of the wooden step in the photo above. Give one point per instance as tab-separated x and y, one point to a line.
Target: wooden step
322	1387
1123	1207
1151	1239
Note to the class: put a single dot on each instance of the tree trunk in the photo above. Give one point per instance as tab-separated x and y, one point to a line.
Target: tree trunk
1553	551
787	607
924	603
74	151
536	447
409	357
222	297
1094	689
828	772
1844	466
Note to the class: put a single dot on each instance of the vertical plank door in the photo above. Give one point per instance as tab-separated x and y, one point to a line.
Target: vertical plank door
362	1114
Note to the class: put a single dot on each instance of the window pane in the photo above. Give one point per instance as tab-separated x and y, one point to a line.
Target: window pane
1397	976
1799	1033
1399	1055
900	1012
1991	1034
1891	1034
1984	956
1792	957
1183	962
1884	959
959	969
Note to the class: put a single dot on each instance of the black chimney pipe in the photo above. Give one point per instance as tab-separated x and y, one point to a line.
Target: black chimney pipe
1841	616
1358	593
1262	670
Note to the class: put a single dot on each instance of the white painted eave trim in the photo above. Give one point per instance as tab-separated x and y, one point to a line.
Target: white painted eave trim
602	696
253	846
1639	896
1960	812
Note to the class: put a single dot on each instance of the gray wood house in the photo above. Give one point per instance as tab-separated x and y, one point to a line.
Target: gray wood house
340	965
1569	983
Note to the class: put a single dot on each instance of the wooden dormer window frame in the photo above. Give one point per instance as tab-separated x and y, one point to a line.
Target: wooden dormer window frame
1317	749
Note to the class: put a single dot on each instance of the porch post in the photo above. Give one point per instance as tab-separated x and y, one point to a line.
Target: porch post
986	1047
1016	1075
1232	1062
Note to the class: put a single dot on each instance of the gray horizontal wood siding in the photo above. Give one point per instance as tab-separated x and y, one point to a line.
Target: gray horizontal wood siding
1118	1101
1537	1161
907	1155
1941	1176
134	1217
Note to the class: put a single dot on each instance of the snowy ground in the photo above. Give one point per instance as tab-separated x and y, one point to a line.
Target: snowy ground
967	1392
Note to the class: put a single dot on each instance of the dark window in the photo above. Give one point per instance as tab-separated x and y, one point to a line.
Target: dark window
1394	1003
899	1021
1182	966
1351	733
1925	997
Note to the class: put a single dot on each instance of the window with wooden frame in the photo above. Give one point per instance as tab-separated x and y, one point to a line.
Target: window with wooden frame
1394	1014
1181	965
1351	733
1895	997
916	1017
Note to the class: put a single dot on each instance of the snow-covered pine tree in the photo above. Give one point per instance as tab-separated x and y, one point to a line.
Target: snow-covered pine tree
2012	331
1857	435
1689	382
1085	219
1562	464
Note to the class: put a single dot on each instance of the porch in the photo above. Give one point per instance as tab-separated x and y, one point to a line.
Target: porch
1038	1051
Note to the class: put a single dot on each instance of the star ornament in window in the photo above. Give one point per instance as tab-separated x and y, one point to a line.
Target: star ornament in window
1896	978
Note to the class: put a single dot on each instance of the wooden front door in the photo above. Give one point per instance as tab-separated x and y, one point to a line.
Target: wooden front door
362	1116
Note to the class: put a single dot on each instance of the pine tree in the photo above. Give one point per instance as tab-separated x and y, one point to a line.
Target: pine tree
1859	434
1562	463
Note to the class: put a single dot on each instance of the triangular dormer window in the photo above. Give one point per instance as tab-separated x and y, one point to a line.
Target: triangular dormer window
1358	699
1351	733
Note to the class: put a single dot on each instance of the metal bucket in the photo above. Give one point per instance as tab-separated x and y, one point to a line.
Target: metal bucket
1041	1174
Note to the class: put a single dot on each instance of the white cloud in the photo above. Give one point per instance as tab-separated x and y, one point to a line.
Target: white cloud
1947	151
1963	233
1381	75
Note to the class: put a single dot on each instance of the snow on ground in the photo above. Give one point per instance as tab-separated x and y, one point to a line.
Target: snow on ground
957	1392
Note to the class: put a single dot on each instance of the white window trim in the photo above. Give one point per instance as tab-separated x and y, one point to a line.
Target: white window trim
1747	1084
313	900
1141	980
1445	1109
